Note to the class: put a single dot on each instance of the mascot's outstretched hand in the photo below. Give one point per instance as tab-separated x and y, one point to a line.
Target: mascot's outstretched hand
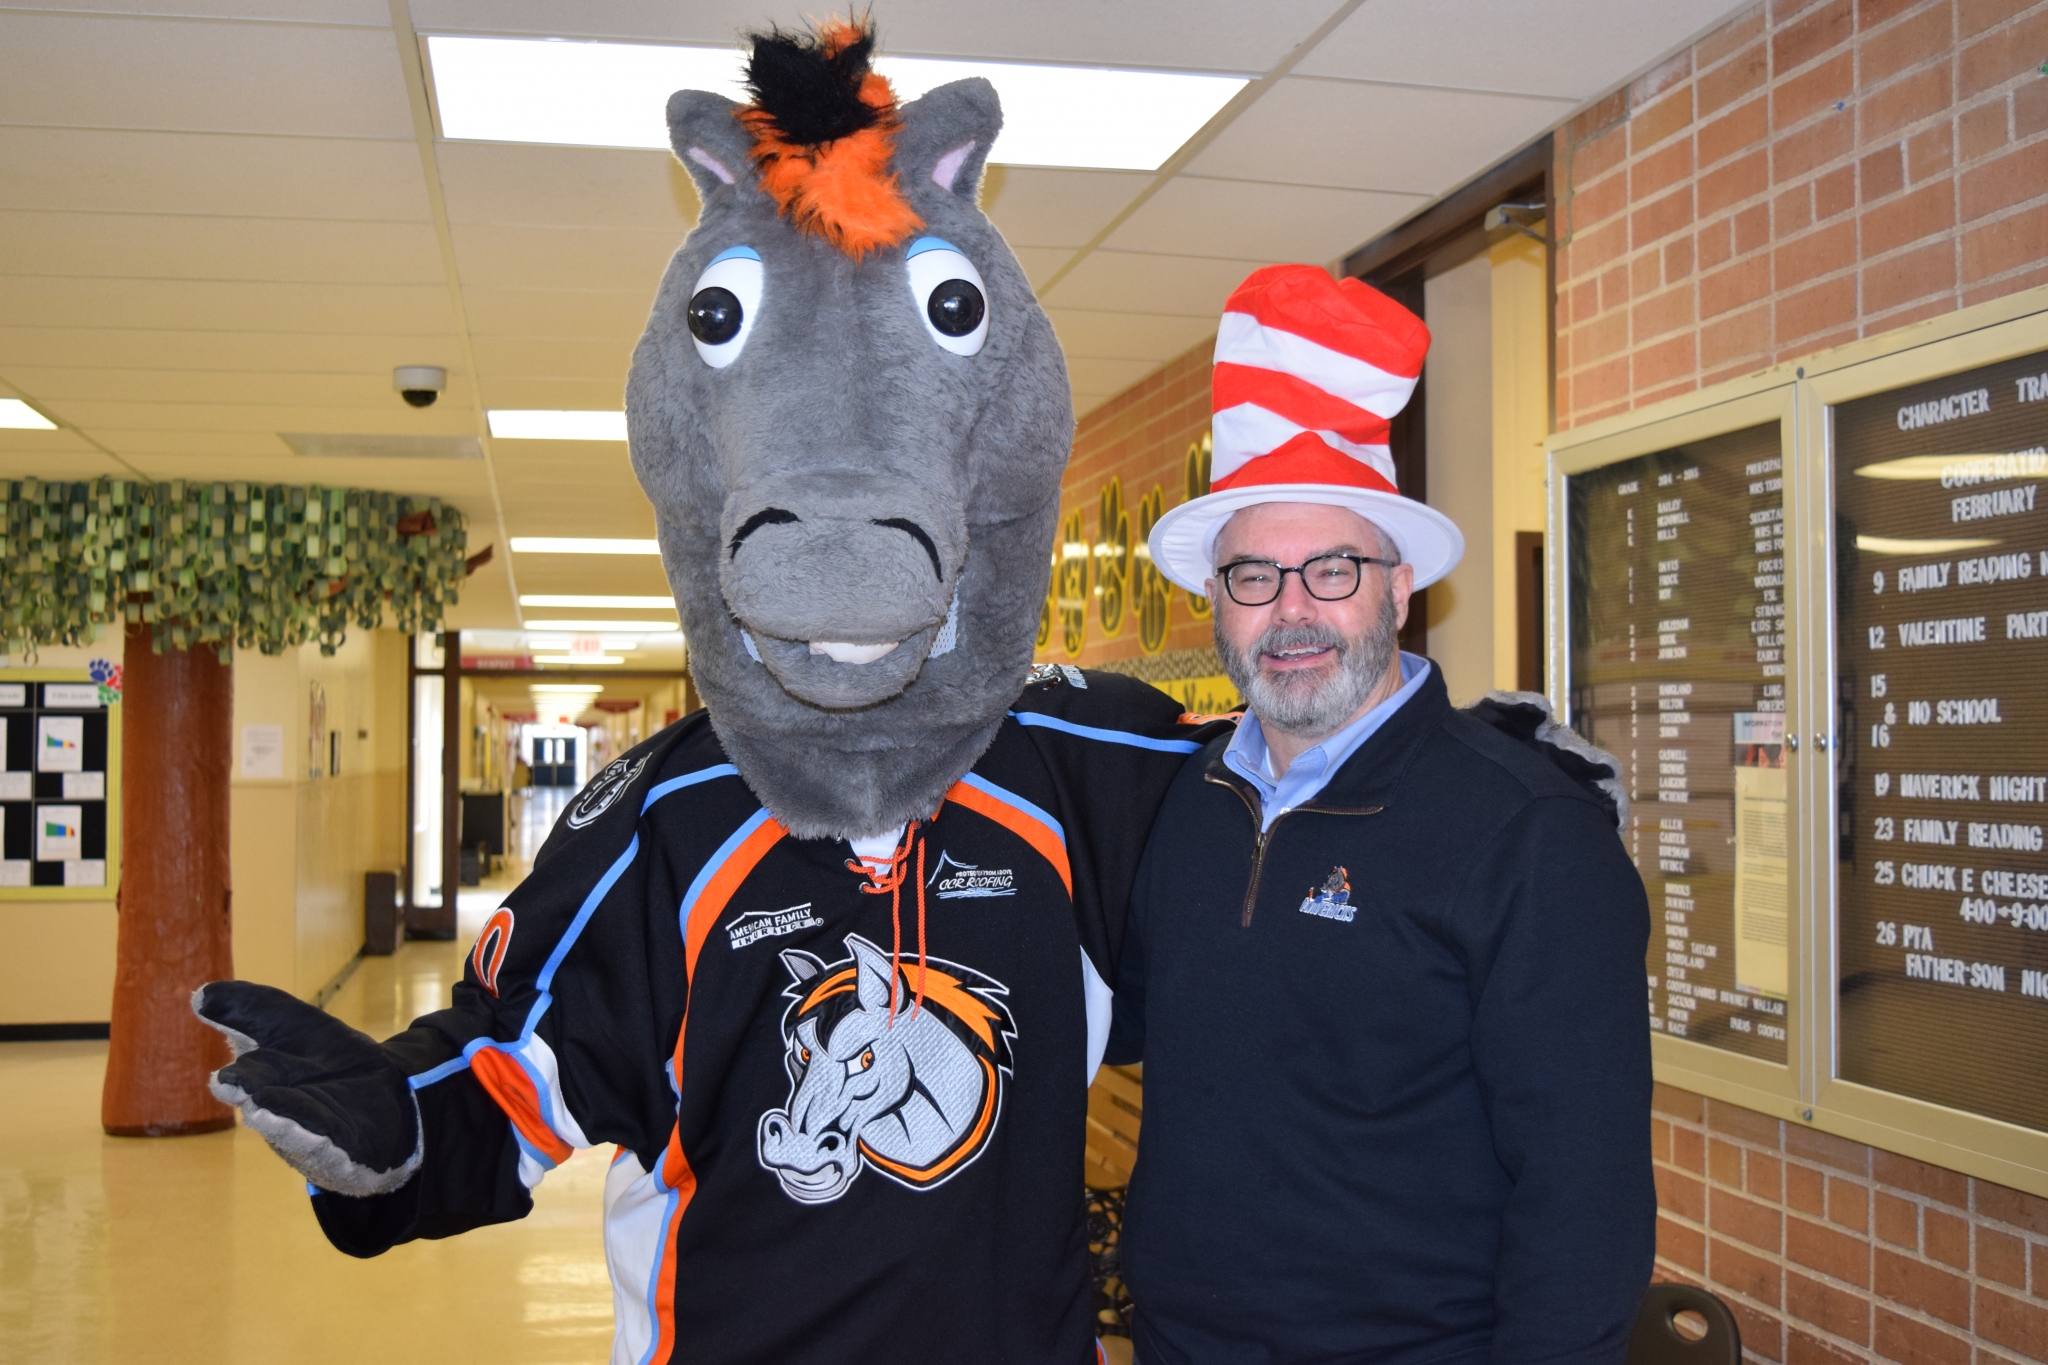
328	1099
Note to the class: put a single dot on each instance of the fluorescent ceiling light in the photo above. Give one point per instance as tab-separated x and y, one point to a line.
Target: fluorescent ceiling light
578	660
567	688
1885	545
562	644
547	424
599	627
575	599
16	415
583	545
616	95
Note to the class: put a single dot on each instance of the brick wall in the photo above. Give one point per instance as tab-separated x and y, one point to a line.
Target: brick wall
1828	1250
1813	172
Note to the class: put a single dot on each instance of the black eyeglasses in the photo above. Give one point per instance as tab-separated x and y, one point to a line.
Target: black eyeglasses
1328	578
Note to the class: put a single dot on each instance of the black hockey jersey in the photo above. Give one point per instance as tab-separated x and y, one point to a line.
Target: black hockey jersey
848	1095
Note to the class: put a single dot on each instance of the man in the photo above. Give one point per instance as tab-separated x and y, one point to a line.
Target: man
1385	962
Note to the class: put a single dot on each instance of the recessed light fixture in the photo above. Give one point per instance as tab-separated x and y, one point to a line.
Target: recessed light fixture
614	95
549	424
567	688
574	599
599	627
582	545
577	660
16	415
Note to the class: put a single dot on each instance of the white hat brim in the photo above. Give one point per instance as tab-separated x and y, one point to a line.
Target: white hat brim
1183	542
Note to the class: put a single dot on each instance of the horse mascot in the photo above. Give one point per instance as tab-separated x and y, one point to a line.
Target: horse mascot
827	962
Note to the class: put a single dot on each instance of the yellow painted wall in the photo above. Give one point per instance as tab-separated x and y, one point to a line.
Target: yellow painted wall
1458	397
1521	419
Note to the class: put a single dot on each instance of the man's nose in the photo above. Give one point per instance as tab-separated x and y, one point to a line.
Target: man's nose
1294	603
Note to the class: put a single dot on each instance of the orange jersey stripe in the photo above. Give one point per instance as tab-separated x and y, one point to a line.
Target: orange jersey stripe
1033	832
508	1084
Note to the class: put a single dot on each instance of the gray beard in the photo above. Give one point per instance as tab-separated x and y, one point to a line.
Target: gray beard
1313	704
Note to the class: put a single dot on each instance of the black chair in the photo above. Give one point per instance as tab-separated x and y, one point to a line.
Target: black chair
1657	1339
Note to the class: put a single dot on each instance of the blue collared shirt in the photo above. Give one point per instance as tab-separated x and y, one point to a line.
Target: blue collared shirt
1248	757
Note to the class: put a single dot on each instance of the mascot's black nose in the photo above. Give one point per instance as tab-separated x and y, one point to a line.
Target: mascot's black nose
777	516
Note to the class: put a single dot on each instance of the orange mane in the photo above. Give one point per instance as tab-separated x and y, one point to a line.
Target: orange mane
842	190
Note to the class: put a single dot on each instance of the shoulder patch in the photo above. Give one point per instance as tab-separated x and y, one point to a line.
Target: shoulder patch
1054	674
605	790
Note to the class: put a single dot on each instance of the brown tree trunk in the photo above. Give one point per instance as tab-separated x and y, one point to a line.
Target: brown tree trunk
177	719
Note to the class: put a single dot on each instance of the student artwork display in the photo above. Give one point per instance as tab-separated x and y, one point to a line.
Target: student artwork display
59	762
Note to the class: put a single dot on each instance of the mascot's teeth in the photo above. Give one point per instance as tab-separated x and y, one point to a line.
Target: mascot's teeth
852	654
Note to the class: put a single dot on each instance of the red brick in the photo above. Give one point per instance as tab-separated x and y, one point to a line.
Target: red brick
1726	340
1827	1149
1816	254
1603	383
1909	314
1746	1220
1898	280
1732	80
1978	15
1650	126
1872	14
1945	1238
1929	153
1832	1253
1796	100
1714	243
1999	57
1796	154
1898	1220
1663	363
1681	1194
1596	203
2040	1286
1653	317
1585	300
2030	109
1766	1177
1659	171
1834	193
1734	285
1591	250
1763	1335
1742	1271
1752	228
2009	1205
1838	1311
1738	130
1916	1284
1679	1104
1915	1343
1792	211
1932	1182
1599	154
1724	1159
1824	28
1744	178
1660	78
1903	45
1883	172
1660	1130
2001	1257
2016	240
1905	101
1733	36
1661	218
1678	259
2012	1323
2017	176
1801	1349
1614	291
1982	129
1610	110
1848	1204
1929	211
1682	1245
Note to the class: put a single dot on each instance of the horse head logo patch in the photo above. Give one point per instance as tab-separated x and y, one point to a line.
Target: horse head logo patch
916	1098
604	789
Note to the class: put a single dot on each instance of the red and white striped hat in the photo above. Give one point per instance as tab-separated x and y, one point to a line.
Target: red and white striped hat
1308	372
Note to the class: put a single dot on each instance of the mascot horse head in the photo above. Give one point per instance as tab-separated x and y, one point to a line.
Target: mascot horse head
915	1094
851	417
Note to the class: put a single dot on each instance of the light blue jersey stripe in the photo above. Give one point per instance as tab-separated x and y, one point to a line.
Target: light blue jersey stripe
1164	746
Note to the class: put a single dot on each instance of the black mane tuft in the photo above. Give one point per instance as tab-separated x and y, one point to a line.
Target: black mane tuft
811	98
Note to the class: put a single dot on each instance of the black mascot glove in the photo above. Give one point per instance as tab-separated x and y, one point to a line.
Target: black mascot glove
329	1100
1526	716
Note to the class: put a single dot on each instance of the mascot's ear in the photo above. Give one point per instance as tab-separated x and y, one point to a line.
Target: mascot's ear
872	979
945	139
708	140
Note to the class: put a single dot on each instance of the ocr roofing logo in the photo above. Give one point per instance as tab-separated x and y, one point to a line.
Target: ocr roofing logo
952	880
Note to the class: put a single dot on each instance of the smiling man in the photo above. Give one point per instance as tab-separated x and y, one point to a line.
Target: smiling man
1385	962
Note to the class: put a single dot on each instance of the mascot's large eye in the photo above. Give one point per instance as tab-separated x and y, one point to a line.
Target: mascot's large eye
861	1063
949	294
724	305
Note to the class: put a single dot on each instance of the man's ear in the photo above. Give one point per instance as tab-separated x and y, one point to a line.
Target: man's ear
945	139
1401	582
709	141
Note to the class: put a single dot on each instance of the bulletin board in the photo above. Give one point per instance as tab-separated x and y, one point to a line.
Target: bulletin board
60	787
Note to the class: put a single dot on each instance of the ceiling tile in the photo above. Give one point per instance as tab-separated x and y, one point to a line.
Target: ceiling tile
571	394
563	257
138	446
369	13
30	300
1571	51
142	246
224	352
623	575
255	177
1374	137
1130	282
1042	208
59	442
505	358
1241	218
1041	262
460	482
91	415
495	182
369	391
558	312
108	71
1128	336
55	465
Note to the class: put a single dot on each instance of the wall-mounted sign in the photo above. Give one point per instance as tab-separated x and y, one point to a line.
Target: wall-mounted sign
1677	666
1942	774
59	798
